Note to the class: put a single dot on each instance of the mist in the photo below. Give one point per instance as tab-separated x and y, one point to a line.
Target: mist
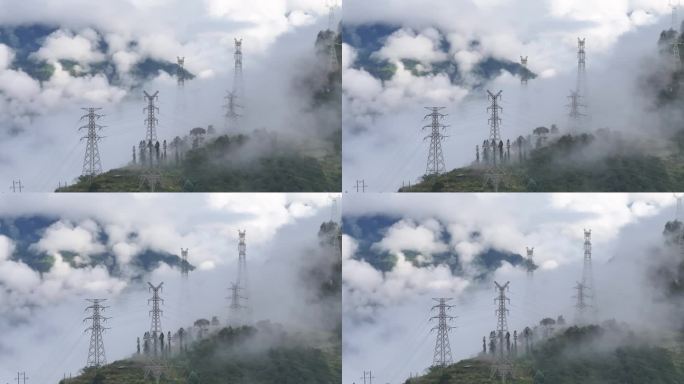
386	315
282	72
282	246
625	73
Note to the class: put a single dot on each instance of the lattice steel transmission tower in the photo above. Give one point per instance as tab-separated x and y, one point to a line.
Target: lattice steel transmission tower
332	49
232	107
237	309
582	305
238	80
92	166
675	15
503	365
495	111
588	273
155	313
575	114
525	77
530	262
494	173
150	178
16	184
242	277
180	71
581	66
185	266
96	350
151	121
442	356
435	162
676	53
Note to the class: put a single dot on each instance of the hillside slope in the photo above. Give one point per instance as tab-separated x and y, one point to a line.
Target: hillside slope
230	355
210	169
567	164
574	356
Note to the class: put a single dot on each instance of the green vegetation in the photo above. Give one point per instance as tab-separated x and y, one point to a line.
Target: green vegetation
576	355
563	166
232	356
212	169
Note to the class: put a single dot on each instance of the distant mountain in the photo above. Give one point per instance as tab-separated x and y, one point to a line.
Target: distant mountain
26	231
369	230
26	40
370	38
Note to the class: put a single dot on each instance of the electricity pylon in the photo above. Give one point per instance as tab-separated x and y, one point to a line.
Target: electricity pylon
581	66
232	107
575	104
151	121
435	162
675	15
495	111
16	184
150	178
180	71
530	262
676	53
155	313
238	81
442	355
242	277
96	350
588	275
494	173
92	166
524	78
184	264
502	366
582	304
236	308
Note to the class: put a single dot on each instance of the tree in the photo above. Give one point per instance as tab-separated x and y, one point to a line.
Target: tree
193	378
539	377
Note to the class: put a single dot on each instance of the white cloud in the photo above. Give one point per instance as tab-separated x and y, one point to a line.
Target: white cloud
64	236
6	57
406	44
407	235
63	45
